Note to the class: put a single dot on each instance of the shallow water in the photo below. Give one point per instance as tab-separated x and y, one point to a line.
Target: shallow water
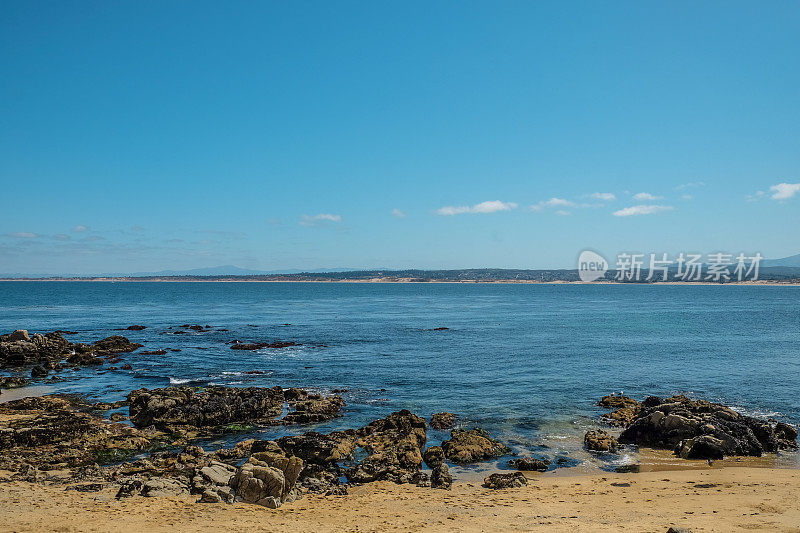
526	362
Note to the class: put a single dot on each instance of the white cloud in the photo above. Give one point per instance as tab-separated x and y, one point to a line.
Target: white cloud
80	228
398	213
604	196
24	235
562	212
646	197
784	191
642	210
686	197
491	206
322	218
553	202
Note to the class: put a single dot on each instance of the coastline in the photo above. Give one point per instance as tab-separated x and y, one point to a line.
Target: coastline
724	499
760	283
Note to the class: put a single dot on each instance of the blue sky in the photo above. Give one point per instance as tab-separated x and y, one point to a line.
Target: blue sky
271	135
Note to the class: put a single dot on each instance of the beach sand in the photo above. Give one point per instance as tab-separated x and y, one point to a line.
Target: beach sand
719	499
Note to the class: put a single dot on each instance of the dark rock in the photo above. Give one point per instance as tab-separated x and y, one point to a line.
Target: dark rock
702	430
529	464
786	435
260	345
471	446
153	352
320	449
598	440
433	456
114	345
19	335
213	407
53	432
505	481
136	327
394	447
35	349
84	359
310	407
675	529
441	478
126	366
39	371
12	382
443	420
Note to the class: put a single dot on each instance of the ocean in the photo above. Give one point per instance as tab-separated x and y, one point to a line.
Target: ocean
527	362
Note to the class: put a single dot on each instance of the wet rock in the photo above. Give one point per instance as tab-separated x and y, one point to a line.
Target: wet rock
529	464
114	345
153	352
261	345
39	371
786	435
471	446
678	423
214	407
612	401
394	447
442	421
598	440
136	327
433	456
441	478
17	350
48	431
505	481
19	335
126	366
12	382
311	408
84	359
320	449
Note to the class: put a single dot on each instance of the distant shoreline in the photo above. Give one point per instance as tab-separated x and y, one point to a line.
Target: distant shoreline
244	279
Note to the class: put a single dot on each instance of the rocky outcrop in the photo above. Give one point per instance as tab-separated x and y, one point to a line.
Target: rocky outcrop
321	449
213	483
21	349
598	440
529	464
626	410
268	478
697	429
261	345
394	446
505	481
442	421
188	411
184	410
441	478
12	382
472	446
433	456
48	432
311	408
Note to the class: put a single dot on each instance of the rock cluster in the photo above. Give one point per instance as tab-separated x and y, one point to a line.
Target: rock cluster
472	446
442	421
505	481
394	449
598	440
19	349
529	464
698	429
48	432
187	411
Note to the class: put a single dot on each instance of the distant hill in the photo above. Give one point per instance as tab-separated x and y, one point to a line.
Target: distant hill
791	261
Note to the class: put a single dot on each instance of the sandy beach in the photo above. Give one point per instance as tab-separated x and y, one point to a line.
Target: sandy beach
726	499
